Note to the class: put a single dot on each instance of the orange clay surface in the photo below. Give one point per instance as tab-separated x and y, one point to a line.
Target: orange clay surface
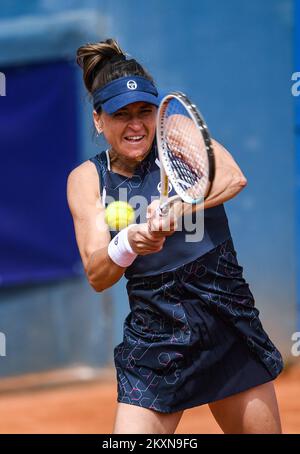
90	407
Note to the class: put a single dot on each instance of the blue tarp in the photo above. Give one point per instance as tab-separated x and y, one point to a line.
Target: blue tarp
38	147
41	134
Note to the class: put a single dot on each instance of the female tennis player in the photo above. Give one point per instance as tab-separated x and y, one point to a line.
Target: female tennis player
193	335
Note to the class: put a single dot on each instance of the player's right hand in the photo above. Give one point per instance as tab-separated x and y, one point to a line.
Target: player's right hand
143	241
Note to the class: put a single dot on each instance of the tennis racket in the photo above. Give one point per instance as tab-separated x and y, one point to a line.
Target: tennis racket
185	152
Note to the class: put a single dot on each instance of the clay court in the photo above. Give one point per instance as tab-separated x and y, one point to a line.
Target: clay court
89	408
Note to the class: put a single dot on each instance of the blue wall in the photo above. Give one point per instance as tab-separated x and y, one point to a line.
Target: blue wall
235	59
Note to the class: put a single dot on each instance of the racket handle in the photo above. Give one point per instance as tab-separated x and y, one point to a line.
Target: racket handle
163	209
165	203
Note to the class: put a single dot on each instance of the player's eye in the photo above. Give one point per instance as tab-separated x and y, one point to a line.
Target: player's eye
120	114
146	111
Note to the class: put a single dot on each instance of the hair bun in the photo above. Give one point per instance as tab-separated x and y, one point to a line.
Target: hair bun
93	56
105	61
117	57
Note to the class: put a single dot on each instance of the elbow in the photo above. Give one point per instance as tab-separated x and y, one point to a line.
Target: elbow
243	181
239	182
93	278
96	287
98	283
94	283
103	278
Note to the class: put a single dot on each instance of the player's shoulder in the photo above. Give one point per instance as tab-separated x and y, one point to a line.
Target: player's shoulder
84	176
84	170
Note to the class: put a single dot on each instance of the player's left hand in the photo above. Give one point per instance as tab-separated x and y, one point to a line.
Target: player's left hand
160	225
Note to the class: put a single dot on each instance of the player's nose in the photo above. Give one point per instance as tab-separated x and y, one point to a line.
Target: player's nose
135	124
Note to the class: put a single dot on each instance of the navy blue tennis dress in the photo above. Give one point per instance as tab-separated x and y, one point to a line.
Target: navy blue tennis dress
193	334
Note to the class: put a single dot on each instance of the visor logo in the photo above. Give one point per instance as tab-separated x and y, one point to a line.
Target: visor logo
132	85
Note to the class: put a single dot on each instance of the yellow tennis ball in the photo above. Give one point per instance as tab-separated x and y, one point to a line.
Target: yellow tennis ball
119	215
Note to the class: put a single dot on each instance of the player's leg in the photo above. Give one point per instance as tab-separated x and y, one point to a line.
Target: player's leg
254	411
131	419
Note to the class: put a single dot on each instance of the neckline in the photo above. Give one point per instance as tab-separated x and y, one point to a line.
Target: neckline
140	168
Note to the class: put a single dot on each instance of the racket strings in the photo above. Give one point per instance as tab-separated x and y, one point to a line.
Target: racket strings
185	175
186	151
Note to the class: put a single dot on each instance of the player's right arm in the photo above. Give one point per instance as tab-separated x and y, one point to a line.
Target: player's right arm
92	232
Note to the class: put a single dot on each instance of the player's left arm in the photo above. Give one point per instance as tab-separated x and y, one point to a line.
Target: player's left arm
228	182
229	179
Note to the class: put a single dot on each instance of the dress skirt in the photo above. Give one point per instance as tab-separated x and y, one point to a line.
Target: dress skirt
193	336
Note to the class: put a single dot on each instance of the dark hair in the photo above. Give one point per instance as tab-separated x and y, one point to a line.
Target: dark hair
105	61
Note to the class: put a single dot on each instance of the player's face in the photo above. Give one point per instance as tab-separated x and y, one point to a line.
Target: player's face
130	130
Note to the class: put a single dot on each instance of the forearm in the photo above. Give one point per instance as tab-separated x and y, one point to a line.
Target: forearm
229	179
102	272
107	265
226	190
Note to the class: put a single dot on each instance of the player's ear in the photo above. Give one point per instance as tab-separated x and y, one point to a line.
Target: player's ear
98	122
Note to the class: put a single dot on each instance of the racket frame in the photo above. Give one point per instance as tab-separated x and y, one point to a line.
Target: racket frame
165	169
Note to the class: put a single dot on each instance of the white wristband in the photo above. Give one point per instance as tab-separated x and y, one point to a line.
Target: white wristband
120	250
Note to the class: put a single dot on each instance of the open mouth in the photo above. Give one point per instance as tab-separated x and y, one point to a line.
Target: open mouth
134	139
